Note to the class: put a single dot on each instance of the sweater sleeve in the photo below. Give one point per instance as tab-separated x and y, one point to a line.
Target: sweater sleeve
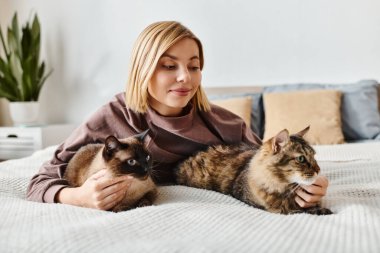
250	137
108	120
49	180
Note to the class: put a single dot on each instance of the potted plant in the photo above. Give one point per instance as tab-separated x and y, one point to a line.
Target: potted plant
21	73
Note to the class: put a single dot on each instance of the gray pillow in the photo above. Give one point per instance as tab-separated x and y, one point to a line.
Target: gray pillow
257	112
360	113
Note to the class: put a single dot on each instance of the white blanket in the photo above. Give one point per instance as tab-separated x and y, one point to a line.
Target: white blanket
192	220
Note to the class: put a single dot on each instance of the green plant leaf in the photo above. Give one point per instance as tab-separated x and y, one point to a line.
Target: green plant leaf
42	81
21	74
27	83
16	70
41	70
8	96
36	28
26	42
12	43
6	90
16	33
8	82
3	43
3	66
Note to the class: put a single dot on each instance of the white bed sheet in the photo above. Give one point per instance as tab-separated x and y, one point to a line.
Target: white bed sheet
186	219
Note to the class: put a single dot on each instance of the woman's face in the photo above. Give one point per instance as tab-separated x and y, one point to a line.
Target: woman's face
176	78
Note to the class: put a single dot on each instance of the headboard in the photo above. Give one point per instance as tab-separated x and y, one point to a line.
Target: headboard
232	90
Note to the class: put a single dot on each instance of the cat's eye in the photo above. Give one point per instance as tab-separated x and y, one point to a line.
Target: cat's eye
301	159
148	158
131	162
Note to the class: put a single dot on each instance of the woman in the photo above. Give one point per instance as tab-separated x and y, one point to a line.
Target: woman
164	94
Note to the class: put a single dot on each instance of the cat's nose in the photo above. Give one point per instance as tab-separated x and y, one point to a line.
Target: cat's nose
316	167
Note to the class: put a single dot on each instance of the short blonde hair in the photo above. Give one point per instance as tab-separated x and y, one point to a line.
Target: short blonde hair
151	44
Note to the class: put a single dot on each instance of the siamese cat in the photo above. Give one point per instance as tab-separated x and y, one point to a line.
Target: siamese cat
119	157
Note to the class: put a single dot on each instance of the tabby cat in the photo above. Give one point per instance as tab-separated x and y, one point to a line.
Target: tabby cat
118	157
265	177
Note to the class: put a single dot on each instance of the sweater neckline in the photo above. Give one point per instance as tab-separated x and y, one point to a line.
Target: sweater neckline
173	123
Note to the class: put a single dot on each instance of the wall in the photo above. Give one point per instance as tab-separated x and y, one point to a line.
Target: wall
88	43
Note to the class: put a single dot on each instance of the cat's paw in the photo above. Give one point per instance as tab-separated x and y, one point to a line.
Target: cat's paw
319	211
144	202
120	208
116	209
325	211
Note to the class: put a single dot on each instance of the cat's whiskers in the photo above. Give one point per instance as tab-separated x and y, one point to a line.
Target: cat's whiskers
153	172
296	187
155	164
293	188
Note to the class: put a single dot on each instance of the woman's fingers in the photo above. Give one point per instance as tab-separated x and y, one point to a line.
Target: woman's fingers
319	187
110	205
302	203
106	182
307	197
102	192
314	190
98	174
113	199
310	195
115	188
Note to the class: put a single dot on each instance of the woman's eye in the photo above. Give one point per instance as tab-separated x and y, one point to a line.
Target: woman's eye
148	158
301	159
131	162
194	68
169	67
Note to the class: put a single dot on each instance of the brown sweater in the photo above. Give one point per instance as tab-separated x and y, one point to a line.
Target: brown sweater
170	140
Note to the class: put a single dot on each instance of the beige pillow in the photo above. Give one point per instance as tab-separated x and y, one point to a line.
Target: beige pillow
296	110
240	106
378	96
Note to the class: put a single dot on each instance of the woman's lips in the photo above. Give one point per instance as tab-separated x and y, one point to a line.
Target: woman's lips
181	92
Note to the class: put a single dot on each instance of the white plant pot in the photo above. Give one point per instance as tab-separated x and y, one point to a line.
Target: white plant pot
24	113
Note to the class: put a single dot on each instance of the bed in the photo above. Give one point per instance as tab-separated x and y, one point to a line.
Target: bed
186	219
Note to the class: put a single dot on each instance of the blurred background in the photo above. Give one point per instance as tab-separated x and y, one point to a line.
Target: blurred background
88	44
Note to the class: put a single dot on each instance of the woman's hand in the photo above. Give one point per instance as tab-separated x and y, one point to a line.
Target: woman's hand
99	191
310	195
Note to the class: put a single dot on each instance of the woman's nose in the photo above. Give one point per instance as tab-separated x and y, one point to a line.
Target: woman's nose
183	75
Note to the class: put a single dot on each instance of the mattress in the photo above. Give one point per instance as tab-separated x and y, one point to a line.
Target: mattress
185	219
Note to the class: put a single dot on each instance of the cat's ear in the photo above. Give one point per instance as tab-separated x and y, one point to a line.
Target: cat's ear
303	132
142	135
111	144
280	140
